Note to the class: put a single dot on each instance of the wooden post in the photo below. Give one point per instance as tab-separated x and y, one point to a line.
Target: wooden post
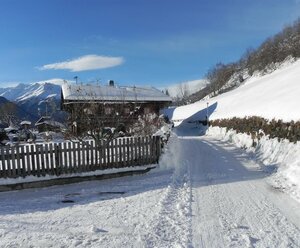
103	154
135	143
158	148
13	162
128	143
23	169
32	159
92	155
52	165
4	171
88	162
58	159
46	152
18	158
150	149
79	163
28	168
108	154
147	150
125	145
74	156
42	164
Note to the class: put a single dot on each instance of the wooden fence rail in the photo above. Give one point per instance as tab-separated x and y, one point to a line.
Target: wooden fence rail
77	157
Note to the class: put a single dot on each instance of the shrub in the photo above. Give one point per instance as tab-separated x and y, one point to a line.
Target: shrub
258	126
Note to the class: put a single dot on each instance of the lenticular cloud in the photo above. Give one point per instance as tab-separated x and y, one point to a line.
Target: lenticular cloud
85	63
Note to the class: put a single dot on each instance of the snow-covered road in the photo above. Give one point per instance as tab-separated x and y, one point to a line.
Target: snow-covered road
233	206
205	194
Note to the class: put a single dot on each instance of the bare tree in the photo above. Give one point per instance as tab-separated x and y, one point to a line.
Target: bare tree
8	113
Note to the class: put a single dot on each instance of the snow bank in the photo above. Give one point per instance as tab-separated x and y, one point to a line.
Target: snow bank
283	156
172	154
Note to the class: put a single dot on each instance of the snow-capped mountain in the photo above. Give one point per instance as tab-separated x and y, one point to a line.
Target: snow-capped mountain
38	98
41	90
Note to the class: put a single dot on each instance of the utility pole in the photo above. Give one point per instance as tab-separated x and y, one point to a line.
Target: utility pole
207	111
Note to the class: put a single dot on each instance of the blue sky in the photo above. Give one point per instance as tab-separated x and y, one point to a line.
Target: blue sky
143	42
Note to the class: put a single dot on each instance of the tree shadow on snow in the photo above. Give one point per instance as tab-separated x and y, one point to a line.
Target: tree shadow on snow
223	164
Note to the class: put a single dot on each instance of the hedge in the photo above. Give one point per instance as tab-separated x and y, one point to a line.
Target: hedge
258	126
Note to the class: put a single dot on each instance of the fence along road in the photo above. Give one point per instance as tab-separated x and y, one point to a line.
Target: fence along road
76	157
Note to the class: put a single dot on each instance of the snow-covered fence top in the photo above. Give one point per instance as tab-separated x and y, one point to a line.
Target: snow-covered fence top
77	157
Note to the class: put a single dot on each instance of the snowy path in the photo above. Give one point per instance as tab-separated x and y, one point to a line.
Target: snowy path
233	206
206	194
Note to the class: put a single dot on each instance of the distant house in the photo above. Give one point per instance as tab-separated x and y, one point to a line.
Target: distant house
46	124
109	105
25	125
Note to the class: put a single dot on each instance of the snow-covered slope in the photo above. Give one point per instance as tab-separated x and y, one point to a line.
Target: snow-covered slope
41	90
188	88
275	95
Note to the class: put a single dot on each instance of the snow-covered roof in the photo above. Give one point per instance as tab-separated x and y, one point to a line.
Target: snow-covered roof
25	123
48	121
79	92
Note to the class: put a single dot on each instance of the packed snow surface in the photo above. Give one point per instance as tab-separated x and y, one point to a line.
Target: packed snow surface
275	95
205	193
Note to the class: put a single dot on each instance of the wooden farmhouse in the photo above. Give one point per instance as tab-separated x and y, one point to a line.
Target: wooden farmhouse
45	123
109	105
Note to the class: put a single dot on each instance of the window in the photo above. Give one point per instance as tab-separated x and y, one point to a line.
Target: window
108	110
126	111
146	110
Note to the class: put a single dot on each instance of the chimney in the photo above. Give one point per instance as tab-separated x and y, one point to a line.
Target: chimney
111	83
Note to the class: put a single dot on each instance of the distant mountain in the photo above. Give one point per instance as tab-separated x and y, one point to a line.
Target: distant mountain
3	100
40	90
19	112
39	98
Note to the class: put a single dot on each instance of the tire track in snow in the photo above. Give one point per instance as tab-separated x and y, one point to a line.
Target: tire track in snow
172	225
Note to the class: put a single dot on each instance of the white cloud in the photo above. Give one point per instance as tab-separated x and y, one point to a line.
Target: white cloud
85	63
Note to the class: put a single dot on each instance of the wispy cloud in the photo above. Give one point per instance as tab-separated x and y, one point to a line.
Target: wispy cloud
85	63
